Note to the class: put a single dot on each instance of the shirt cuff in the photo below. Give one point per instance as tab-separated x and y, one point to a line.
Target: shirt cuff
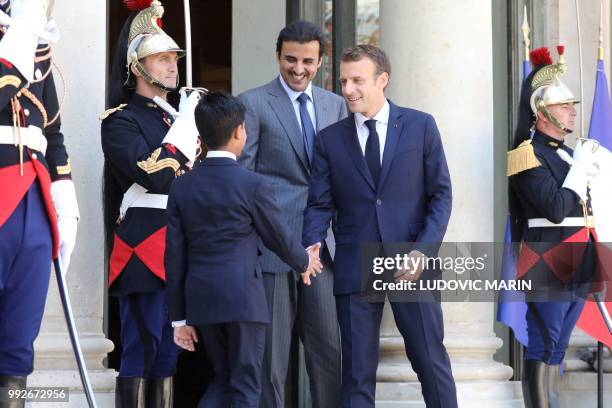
310	247
179	323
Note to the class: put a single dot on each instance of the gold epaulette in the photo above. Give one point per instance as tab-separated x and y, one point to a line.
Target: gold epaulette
110	111
522	158
11	80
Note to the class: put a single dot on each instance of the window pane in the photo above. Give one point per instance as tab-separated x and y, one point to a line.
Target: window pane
368	22
328	29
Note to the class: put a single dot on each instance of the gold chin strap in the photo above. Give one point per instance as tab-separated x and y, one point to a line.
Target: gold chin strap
147	77
556	122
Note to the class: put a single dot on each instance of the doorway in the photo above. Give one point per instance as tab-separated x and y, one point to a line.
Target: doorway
211	37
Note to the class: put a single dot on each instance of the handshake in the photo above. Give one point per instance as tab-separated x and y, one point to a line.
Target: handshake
315	266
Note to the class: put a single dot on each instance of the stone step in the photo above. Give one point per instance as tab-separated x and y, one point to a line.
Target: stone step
481	394
579	389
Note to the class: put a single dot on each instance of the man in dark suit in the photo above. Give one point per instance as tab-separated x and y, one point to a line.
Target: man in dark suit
216	215
282	119
383	172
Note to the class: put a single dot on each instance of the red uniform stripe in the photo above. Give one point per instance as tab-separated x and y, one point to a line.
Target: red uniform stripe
6	63
14	187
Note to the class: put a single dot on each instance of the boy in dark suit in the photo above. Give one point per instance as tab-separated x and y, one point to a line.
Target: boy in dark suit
217	214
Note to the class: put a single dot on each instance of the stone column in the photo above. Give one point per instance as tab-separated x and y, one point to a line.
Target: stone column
441	57
254	39
81	57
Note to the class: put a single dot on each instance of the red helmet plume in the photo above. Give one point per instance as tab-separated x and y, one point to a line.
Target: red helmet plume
137	5
540	56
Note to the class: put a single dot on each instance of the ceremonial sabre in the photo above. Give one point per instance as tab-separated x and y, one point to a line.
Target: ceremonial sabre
188	54
74	337
603	310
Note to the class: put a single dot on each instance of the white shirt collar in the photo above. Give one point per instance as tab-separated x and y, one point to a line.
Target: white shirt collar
293	95
381	117
220	153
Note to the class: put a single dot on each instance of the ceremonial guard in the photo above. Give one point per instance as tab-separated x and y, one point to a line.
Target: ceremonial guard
550	206
38	209
145	149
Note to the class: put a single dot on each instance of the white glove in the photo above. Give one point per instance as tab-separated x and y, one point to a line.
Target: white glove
577	178
51	31
64	199
67	227
592	171
18	45
184	134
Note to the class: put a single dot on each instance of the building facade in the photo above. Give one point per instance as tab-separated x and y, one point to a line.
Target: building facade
458	60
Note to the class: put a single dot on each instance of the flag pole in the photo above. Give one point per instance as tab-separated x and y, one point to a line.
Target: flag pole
525	29
580	68
600	51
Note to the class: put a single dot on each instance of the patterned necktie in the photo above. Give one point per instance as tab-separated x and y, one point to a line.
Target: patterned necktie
308	130
372	150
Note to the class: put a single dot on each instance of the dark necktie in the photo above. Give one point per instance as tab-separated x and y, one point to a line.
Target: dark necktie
372	150
308	130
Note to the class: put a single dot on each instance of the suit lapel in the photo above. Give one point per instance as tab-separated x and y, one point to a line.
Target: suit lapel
394	130
320	107
283	109
354	150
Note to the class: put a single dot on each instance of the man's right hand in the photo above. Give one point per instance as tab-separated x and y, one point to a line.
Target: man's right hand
185	337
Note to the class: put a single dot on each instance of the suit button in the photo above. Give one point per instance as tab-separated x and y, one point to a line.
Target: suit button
34	156
378	201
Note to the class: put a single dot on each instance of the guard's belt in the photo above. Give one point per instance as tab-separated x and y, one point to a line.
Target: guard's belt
31	137
137	196
567	222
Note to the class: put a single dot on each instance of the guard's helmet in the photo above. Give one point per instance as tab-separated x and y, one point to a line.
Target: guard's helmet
147	38
547	89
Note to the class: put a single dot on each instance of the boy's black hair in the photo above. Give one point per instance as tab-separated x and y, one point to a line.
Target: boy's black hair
302	32
217	115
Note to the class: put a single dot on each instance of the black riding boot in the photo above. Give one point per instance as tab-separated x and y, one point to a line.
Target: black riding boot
130	392
553	376
9	382
159	393
535	384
